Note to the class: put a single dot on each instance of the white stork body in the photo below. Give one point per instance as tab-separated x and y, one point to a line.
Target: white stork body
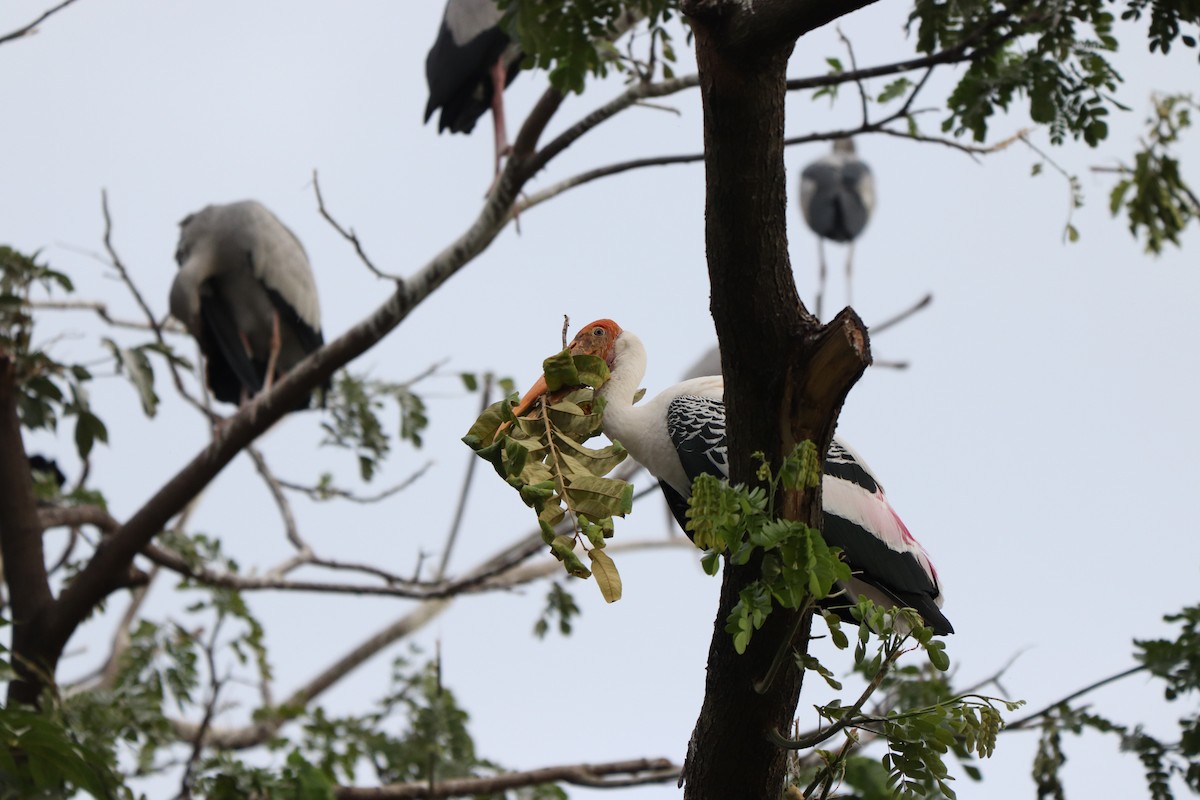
680	434
246	292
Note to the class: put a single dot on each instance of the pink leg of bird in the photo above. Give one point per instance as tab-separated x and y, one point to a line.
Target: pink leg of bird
499	78
273	358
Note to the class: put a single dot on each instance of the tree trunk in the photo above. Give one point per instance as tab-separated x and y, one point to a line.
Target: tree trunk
21	547
786	376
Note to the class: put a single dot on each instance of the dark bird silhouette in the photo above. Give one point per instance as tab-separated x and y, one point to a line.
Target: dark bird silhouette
470	64
837	195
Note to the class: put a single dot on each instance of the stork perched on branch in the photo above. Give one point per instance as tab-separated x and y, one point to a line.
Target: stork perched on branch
470	64
837	196
246	292
680	434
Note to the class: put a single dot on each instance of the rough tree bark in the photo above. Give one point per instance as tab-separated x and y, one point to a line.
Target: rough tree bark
21	546
786	376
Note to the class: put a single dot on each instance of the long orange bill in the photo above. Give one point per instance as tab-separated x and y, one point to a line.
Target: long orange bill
537	390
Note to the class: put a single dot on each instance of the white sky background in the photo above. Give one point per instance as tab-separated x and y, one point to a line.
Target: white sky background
1041	444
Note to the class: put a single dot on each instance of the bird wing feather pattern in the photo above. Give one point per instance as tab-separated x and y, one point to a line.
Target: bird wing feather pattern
857	515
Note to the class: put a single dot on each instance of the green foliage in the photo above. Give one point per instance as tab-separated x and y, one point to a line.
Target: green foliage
1055	55
355	405
135	364
1153	194
41	757
543	457
572	39
560	604
48	389
916	714
797	567
1177	663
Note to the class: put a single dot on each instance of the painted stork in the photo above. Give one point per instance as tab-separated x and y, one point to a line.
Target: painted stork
681	434
468	68
246	292
837	195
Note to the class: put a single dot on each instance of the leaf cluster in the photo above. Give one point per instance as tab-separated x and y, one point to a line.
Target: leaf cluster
797	567
417	733
542	455
1056	55
1177	663
915	714
571	39
47	389
1153	194
355	404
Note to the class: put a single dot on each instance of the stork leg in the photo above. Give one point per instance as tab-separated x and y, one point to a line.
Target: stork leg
849	269
499	78
821	275
273	358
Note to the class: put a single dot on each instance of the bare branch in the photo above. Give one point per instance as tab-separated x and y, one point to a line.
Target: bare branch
1024	721
155	325
31	28
633	773
325	492
858	80
101	310
537	198
460	510
74	516
349	235
281	501
629	97
215	683
880	327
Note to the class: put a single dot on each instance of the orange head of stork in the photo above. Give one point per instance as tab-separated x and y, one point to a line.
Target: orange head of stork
596	339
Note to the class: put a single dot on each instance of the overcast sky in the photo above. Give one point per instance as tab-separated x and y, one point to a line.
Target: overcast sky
1041	444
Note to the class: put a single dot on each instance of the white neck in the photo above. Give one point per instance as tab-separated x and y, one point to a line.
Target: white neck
629	367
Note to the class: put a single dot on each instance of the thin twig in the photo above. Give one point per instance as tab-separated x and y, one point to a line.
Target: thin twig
1021	723
460	510
326	492
215	683
862	89
281	501
31	28
155	326
101	310
350	236
903	315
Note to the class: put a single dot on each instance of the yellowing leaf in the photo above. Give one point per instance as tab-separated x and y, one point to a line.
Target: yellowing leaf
605	572
601	497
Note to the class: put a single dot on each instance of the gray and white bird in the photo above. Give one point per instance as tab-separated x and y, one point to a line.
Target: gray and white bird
468	68
246	292
837	195
680	434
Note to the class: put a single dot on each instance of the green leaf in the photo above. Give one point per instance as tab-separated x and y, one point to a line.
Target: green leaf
88	430
560	371
601	497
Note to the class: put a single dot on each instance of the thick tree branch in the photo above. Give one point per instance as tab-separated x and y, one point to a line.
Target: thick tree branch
785	376
752	27
612	774
24	557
